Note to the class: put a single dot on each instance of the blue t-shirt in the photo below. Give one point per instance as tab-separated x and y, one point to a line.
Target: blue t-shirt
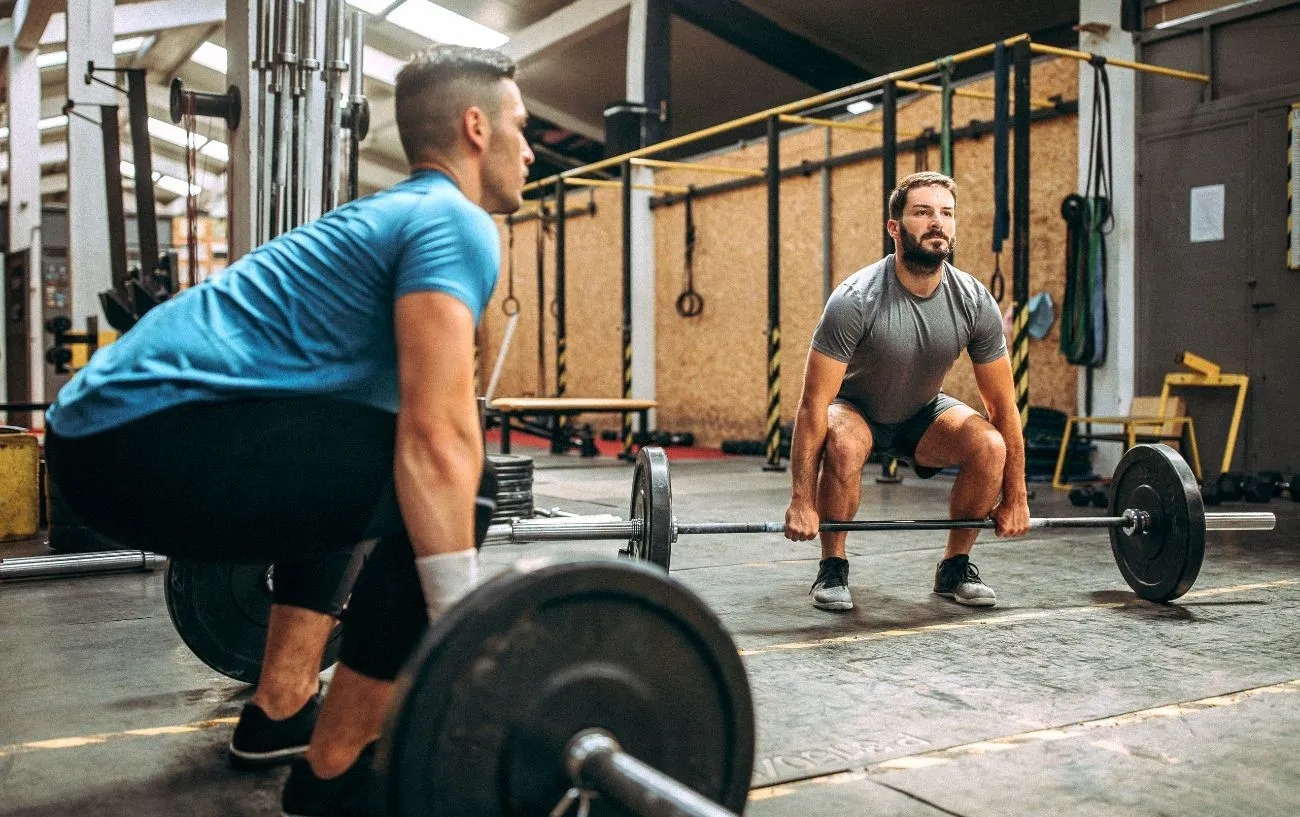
310	313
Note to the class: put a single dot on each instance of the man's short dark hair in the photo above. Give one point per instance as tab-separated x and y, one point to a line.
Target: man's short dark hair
436	88
926	178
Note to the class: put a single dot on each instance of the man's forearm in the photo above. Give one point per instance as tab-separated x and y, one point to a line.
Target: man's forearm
1013	472
437	475
806	447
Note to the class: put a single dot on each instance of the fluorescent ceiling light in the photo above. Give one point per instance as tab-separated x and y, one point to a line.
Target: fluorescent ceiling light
210	55
380	65
216	150
861	106
128	45
371	6
168	132
60	121
4	133
128	170
51	59
174	185
444	26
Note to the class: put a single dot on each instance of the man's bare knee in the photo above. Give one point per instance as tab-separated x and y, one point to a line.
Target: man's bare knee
845	455
987	452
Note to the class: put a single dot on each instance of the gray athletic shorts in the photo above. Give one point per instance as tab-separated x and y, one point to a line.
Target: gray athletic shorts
899	440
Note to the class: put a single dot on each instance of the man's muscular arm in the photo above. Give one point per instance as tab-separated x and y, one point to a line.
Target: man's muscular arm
823	376
998	391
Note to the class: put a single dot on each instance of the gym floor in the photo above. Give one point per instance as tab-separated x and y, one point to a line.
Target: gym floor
1071	697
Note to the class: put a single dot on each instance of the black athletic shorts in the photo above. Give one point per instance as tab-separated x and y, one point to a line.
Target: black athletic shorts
899	440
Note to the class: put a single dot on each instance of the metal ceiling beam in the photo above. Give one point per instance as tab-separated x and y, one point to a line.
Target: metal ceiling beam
801	58
142	18
570	24
30	19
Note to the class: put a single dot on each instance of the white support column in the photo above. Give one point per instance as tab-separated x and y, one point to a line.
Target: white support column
24	104
242	174
644	351
1113	383
90	38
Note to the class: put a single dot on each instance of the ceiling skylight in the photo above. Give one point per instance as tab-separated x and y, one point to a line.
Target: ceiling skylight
210	55
444	26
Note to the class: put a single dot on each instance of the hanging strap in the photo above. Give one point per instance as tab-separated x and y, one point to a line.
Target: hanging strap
510	305
690	303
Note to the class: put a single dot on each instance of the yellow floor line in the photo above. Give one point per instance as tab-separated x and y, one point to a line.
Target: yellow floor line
993	621
1004	744
105	737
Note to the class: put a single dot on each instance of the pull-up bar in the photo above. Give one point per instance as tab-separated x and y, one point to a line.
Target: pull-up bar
1084	56
723	169
855	89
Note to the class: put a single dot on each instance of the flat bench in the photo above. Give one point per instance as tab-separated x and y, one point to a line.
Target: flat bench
520	409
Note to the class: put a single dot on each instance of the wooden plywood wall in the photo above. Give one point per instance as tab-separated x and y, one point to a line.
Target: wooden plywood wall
711	369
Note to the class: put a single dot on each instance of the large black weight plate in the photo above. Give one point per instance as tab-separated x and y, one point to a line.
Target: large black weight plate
505	678
652	503
1162	564
221	611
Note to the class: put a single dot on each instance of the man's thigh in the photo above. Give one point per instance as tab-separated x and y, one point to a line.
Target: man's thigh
951	436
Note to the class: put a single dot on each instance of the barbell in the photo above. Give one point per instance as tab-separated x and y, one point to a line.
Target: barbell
1157	521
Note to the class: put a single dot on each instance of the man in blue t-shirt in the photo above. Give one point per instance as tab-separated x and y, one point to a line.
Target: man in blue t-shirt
318	394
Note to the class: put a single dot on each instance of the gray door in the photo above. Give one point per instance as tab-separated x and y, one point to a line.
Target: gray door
1193	295
1274	303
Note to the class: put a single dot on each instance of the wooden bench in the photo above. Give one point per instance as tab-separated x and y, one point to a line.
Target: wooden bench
519	413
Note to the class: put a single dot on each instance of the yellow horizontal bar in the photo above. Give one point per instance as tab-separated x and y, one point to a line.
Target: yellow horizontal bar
666	165
1136	66
836	123
578	181
970	93
790	107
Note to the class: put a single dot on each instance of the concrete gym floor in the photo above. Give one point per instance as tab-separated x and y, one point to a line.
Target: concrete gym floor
1071	697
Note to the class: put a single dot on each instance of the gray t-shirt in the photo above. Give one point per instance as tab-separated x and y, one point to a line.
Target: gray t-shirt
898	346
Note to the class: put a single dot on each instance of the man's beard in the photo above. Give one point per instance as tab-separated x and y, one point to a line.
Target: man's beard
921	259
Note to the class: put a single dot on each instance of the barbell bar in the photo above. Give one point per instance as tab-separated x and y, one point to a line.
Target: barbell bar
1157	521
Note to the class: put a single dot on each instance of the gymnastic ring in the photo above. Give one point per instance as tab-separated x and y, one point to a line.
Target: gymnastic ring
510	306
690	304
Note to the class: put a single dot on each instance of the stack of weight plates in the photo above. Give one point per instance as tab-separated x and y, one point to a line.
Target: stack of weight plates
514	487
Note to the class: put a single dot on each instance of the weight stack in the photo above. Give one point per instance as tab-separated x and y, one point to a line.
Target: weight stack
514	487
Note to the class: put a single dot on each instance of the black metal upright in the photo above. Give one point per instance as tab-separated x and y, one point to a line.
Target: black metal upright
1020	230
888	158
561	375
142	153
773	462
114	211
888	179
627	303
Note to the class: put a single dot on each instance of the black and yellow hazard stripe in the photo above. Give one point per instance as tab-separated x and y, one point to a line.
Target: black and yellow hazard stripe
1020	360
627	389
774	398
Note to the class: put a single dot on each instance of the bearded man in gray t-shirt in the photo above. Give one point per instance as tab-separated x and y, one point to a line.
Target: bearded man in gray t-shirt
889	335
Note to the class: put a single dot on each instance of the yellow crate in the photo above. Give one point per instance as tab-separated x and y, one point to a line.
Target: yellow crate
20	496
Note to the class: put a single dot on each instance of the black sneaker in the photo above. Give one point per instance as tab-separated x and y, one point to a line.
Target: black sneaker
831	589
259	741
959	580
351	794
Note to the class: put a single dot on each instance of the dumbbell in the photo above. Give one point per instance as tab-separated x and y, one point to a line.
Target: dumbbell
1268	484
1083	495
1226	487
